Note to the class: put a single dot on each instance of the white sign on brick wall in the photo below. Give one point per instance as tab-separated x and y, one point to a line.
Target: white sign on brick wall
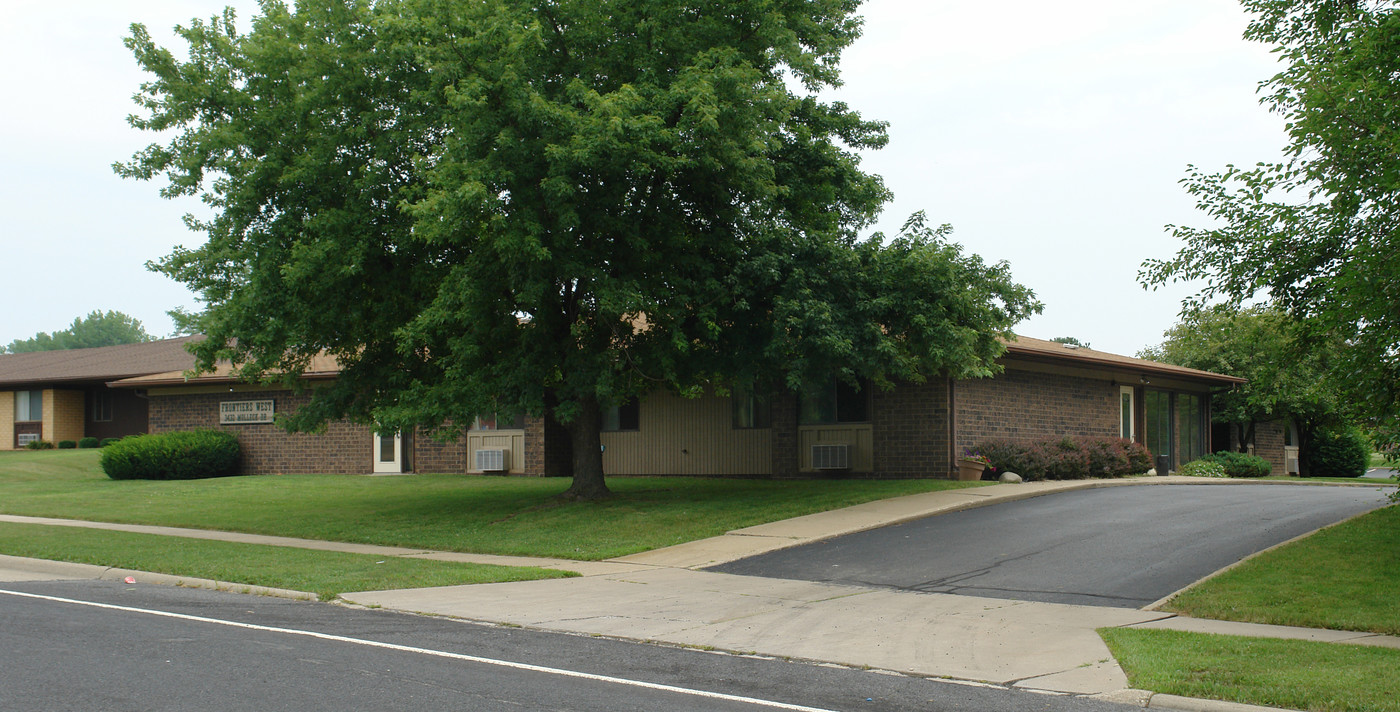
245	412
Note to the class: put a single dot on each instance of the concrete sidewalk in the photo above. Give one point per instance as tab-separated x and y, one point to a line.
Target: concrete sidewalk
659	596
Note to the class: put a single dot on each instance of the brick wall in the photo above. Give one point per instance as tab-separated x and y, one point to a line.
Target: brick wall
548	452
7	420
1268	444
433	455
63	415
911	430
343	448
783	412
1023	406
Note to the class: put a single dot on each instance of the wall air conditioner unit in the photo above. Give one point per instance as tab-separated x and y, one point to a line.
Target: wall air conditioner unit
1290	466
831	457
25	438
492	460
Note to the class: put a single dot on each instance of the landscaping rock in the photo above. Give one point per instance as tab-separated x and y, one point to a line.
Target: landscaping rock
1009	477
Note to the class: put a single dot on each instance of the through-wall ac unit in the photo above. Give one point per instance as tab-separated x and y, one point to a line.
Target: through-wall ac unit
497	460
25	438
831	457
1290	466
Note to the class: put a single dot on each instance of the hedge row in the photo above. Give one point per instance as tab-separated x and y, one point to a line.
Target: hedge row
185	455
1068	458
1237	464
1338	453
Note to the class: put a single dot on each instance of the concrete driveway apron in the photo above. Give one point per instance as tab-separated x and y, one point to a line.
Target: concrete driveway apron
1118	546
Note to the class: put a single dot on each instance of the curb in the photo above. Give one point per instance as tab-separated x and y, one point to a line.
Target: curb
1192	704
93	572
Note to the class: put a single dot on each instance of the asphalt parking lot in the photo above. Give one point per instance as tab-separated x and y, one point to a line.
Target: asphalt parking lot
1115	546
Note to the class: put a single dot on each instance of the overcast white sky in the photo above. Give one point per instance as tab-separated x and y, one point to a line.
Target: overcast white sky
1051	135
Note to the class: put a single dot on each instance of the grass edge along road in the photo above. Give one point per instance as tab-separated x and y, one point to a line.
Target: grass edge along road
324	573
1294	674
1343	577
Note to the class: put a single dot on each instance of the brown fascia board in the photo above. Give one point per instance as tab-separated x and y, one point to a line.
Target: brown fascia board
178	378
1099	359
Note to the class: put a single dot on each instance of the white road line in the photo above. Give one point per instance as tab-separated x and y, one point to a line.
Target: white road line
427	651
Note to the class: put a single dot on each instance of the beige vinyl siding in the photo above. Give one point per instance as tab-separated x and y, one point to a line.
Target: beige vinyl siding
512	440
687	436
858	437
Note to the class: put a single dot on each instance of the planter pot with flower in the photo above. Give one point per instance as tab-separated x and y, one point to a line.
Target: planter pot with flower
971	466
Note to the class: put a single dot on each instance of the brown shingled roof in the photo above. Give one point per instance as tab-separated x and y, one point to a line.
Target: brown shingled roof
321	366
324	366
1024	346
104	363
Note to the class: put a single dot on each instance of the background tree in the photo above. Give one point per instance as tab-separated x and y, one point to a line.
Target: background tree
1070	340
1319	233
550	206
98	328
1289	373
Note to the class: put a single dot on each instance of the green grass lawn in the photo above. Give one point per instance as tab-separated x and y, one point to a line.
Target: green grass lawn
325	573
1295	674
496	515
1343	577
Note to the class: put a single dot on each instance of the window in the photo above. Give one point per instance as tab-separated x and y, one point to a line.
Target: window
29	406
101	406
1158	422
498	421
1126	429
622	417
750	410
1191	410
834	402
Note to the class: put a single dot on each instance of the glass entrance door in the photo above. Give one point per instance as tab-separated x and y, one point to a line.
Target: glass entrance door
1157	416
388	452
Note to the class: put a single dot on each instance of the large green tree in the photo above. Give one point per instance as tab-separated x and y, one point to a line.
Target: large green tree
1319	232
1289	375
99	328
550	206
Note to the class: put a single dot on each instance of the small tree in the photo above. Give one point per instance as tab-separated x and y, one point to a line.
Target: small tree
1287	368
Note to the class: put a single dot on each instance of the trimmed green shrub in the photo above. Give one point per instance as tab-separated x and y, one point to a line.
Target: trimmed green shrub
67	444
1240	464
1202	467
39	445
88	442
1068	458
104	442
184	455
1338	453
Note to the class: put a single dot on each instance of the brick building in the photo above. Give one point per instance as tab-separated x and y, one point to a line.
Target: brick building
914	430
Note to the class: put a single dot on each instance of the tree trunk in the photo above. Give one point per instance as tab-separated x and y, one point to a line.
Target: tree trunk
584	437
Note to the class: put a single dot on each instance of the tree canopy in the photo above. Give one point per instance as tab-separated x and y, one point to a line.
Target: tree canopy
98	328
1318	233
549	206
1289	376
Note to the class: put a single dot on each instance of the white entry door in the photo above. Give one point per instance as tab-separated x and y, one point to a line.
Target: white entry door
388	452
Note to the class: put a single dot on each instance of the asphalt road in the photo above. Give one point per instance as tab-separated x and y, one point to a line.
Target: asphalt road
93	645
1113	546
